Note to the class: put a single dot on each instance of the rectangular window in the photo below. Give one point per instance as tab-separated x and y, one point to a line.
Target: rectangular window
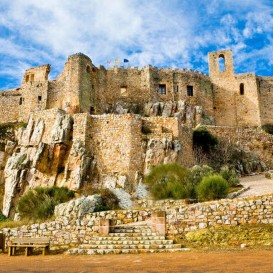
123	91
39	98
189	90
162	89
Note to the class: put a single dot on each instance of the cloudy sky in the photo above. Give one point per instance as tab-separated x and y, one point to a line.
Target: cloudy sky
163	33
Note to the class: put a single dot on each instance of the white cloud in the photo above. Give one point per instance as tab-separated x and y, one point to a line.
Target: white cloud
156	32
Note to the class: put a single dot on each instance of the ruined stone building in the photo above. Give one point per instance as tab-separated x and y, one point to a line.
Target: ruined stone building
110	126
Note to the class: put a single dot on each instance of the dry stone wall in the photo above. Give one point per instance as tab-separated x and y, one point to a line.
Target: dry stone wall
65	232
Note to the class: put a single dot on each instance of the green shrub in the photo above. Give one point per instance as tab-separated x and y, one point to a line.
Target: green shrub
145	130
2	217
212	187
198	172
268	128
203	139
229	175
39	203
109	201
170	181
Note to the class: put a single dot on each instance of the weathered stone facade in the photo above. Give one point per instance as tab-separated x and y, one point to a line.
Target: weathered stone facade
223	98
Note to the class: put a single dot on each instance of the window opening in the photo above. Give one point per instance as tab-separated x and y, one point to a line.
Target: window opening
92	110
221	62
242	89
123	90
177	88
189	90
32	77
39	98
162	89
88	69
21	101
27	78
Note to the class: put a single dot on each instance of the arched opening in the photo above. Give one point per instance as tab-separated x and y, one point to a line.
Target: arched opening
92	110
221	63
88	69
242	89
27	78
32	77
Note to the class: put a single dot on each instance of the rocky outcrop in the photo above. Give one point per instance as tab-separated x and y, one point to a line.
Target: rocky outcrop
160	151
34	162
78	207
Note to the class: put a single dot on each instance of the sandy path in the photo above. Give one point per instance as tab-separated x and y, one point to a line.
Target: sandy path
258	184
196	262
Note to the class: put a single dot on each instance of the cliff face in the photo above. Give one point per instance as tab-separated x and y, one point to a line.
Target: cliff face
39	157
56	148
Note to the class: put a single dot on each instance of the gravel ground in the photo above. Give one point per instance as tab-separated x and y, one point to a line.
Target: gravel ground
246	261
258	184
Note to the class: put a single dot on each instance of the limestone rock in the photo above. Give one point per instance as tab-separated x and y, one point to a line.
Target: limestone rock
78	207
167	110
62	129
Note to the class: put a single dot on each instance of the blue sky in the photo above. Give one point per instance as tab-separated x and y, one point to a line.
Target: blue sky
163	33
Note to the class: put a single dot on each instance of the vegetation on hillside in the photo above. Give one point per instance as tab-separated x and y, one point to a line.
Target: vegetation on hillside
200	182
39	203
249	235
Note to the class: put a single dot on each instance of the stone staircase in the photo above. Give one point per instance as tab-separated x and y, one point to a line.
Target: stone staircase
128	239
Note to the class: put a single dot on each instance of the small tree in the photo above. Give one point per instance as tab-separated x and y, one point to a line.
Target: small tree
212	187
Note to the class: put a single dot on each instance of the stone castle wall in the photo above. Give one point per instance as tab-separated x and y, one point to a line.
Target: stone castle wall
9	106
65	232
224	98
266	97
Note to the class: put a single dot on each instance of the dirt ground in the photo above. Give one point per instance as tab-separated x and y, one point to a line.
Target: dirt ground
246	260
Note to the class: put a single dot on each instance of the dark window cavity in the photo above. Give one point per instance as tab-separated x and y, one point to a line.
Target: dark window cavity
189	90
242	89
162	89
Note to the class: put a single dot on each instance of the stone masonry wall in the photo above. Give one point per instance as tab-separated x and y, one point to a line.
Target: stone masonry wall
266	98
65	232
116	141
9	106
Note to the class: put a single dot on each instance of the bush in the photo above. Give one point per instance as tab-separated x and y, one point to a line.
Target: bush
229	175
268	128
212	187
2	217
170	181
203	139
109	201
39	203
198	172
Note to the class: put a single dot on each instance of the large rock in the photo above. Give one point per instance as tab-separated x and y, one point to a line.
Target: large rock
78	207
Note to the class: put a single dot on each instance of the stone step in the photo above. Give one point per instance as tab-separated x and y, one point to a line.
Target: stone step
133	234
126	238
140	246
132	230
130	242
77	251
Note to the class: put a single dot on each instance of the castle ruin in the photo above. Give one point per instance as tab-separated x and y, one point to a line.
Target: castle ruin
110	126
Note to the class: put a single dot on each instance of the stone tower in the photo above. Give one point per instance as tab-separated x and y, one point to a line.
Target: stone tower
221	72
236	97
